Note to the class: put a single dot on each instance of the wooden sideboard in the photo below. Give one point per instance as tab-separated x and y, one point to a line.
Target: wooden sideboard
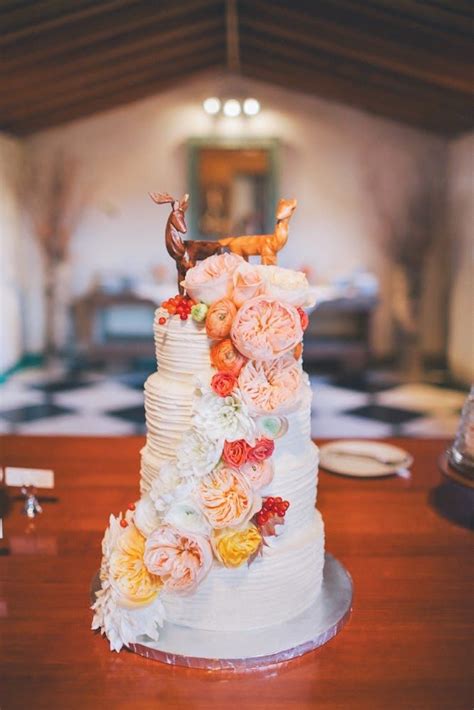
339	331
112	327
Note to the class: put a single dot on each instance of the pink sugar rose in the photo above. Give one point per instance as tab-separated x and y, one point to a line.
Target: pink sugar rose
182	560
271	387
248	282
235	453
262	450
223	383
265	329
258	473
211	279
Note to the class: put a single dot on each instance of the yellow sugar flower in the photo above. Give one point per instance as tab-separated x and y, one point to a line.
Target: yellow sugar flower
129	576
233	547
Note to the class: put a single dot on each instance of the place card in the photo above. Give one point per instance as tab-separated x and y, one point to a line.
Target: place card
37	477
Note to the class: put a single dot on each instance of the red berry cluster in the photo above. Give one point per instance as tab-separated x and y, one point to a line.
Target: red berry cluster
270	508
178	305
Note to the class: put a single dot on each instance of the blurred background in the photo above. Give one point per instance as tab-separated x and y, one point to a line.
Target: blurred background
362	111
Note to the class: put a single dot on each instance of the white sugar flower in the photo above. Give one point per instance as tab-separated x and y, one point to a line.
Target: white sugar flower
224	418
123	626
288	286
186	516
146	516
169	486
198	452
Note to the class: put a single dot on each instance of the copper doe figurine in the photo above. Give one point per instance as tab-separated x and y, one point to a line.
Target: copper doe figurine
264	245
186	252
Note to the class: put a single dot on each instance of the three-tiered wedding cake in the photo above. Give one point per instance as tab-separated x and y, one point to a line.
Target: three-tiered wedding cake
225	535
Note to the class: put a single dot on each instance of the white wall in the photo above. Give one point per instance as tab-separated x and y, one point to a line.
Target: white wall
11	341
461	220
325	149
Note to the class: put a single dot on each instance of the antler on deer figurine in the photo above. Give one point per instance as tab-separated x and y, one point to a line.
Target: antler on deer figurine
186	252
264	245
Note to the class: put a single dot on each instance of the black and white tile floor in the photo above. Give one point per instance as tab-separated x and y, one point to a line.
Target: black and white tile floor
54	402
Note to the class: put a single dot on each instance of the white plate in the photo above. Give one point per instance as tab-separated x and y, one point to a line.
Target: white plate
358	457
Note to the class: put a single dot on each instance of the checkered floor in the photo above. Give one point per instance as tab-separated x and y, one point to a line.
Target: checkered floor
53	402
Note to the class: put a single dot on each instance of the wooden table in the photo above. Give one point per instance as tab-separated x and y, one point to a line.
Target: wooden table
407	645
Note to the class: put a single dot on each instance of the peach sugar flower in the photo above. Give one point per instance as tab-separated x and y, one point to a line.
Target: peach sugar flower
258	473
219	319
271	387
226	358
225	497
136	585
211	279
248	282
182	560
265	328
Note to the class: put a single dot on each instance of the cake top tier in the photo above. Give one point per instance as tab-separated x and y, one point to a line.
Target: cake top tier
246	311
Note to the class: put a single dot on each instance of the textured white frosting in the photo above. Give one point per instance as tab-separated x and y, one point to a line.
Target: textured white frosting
287	577
274	588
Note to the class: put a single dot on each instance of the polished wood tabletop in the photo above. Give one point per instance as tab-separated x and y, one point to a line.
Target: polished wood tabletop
408	643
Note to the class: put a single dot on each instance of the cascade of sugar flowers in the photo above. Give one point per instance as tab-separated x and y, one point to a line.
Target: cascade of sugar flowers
207	505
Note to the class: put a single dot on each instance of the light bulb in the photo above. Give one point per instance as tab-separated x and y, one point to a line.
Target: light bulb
232	108
251	107
212	105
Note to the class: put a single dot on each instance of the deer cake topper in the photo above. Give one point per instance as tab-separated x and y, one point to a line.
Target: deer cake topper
264	245
186	252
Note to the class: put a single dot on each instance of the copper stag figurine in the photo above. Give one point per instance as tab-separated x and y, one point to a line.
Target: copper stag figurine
264	245
186	252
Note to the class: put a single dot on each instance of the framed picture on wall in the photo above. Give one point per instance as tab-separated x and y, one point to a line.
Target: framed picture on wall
233	187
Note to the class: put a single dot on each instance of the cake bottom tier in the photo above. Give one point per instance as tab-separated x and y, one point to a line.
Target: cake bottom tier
277	586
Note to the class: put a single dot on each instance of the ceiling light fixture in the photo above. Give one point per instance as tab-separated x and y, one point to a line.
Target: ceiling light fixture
251	107
212	105
232	108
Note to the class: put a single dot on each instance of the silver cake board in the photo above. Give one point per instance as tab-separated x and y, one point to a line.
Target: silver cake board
250	650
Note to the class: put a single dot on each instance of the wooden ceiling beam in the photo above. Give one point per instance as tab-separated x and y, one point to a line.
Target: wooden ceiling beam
318	34
53	80
43	16
116	26
109	98
426	15
116	76
258	64
363	75
386	20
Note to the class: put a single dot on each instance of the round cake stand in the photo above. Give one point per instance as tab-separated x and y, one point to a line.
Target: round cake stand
250	650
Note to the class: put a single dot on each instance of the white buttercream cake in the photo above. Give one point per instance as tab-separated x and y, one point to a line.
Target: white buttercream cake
225	535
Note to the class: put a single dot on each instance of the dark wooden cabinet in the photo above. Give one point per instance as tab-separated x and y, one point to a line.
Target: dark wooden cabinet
339	332
112	326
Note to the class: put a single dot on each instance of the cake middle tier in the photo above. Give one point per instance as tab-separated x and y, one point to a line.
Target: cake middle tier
168	407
